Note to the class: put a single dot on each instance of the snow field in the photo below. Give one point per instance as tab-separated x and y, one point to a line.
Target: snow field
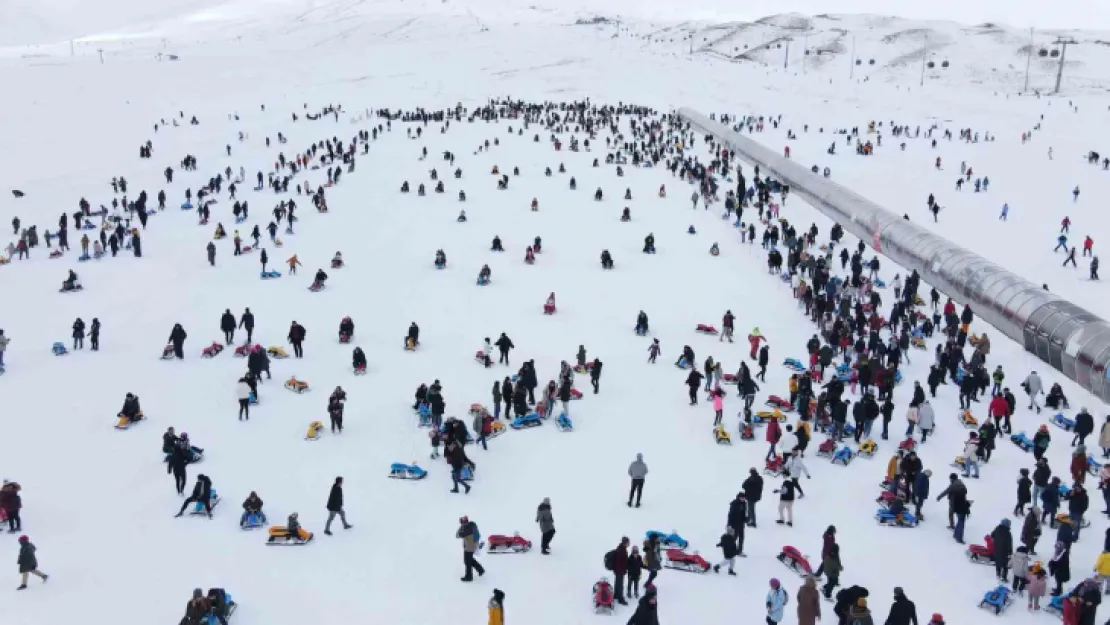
402	547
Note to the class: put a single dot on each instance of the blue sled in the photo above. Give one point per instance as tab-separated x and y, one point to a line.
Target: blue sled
483	281
1062	422
466	474
252	521
997	599
640	331
564	423
843	456
682	364
240	220
1022	440
668	540
83	257
886	517
231	606
269	275
252	399
878	283
530	420
794	365
59	349
187	206
402	471
88	225
198	507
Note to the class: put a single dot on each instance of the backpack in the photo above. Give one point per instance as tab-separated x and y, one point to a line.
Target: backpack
610	560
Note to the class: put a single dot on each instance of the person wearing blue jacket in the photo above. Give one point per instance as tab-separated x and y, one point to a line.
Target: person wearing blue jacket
776	602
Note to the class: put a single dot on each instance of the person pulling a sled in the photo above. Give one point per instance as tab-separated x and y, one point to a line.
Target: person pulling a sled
414	334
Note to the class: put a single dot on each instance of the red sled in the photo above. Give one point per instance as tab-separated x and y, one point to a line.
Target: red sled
730	378
775	401
679	559
246	249
583	368
908	445
886	498
344	338
575	393
212	350
244	350
983	554
549	309
56	254
795	561
498	543
706	329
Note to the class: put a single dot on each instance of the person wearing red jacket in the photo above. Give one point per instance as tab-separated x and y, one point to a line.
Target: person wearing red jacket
949	308
999	410
774	435
620	569
753	341
1073	609
1088	244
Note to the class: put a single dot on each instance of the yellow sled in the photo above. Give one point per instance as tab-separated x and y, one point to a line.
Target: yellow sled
219	234
123	423
917	301
278	243
868	448
4	260
280	533
968	421
315	429
410	345
295	385
722	436
775	414
497	429
277	351
919	342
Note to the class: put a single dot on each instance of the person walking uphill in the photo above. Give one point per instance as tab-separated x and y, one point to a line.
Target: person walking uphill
28	563
638	470
504	344
468	533
227	325
547	525
335	506
497	608
296	337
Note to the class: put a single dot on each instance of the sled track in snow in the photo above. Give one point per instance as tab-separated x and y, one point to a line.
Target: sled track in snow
1070	339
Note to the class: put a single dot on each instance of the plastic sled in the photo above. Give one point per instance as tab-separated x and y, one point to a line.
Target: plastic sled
721	435
908	445
187	206
730	378
231	606
1093	466
316	286
73	289
344	338
997	599
1062	422
167	352
56	254
212	350
88	225
575	394
483	281
918	342
410	345
794	365
1022	441
1055	605
968	421
402	471
868	448
336	264
774	467
59	349
243	350
795	561
123	423
640	331
764	416
878	283
826	449
246	249
682	561
530	420
983	554
295	385
254	520
497	428
603	598
668	541
276	351
269	275
279	536
777	402
564	423
360	370
315	431
440	264
198	507
84	257
498	543
583	368
466	474
548	309
843	456
196	454
682	364
886	517
705	329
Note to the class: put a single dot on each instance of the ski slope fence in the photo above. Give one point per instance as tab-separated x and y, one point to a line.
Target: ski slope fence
1067	337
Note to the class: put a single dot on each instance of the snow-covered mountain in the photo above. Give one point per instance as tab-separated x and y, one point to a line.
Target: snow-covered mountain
97	501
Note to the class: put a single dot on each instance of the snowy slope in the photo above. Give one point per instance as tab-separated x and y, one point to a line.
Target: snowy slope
81	123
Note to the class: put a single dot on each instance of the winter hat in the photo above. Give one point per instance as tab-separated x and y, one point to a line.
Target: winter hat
1005	523
24	539
547	501
640	457
952	477
898	592
937	618
197	592
498	595
775	583
650	590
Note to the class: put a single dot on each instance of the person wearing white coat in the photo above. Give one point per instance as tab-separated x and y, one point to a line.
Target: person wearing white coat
926	419
795	467
971	458
243	392
1034	387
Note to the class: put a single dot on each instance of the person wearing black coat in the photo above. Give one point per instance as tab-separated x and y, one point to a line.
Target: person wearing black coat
435	401
27	562
753	492
738	513
693	381
227	324
246	322
507	396
528	377
1084	425
846	599
78	334
296	337
504	344
177	339
202	493
729	551
902	611
1003	548
94	335
595	374
176	464
335	506
647	612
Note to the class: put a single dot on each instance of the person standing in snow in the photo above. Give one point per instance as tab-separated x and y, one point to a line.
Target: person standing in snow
1033	386
296	337
504	344
28	563
335	506
595	375
776	602
638	470
547	525
4	340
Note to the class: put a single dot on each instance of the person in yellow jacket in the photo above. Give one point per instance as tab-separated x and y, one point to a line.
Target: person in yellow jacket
893	466
1102	568
293	262
497	608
